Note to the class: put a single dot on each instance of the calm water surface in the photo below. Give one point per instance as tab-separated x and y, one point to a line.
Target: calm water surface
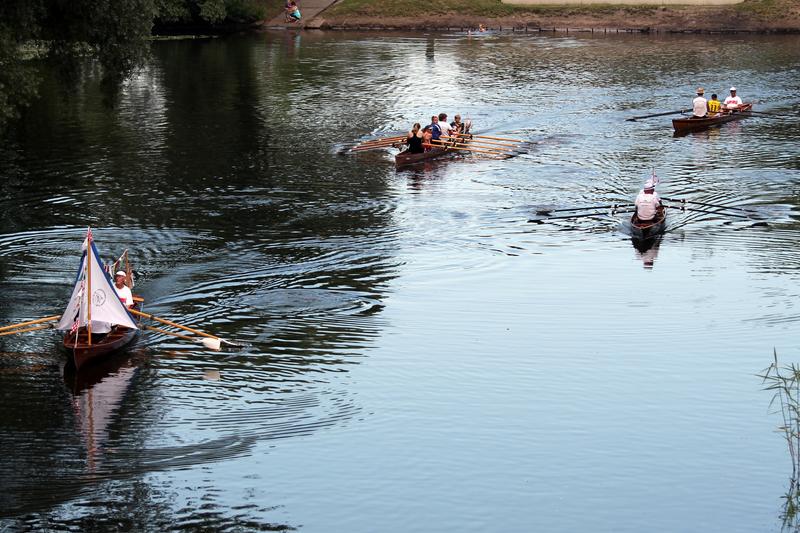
419	356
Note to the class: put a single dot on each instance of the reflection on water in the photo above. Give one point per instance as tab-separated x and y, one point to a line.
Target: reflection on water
417	353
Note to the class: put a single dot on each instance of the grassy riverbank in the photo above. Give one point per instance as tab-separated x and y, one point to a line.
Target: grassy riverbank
750	15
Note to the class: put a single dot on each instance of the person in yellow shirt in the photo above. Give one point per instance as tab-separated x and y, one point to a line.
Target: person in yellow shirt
714	105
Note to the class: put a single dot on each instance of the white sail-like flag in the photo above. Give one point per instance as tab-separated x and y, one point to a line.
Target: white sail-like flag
106	307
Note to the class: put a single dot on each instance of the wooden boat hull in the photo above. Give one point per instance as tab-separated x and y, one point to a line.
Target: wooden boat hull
404	159
642	231
82	352
686	125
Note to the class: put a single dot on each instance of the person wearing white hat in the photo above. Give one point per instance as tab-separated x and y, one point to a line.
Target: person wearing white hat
700	104
733	101
648	201
123	291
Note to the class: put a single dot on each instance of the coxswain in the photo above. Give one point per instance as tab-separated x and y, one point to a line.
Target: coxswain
123	291
733	102
700	104
714	105
648	201
414	140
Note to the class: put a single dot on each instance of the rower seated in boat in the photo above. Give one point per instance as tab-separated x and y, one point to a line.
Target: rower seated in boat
648	201
427	135
459	127
436	131
714	105
123	291
733	102
444	126
414	140
699	104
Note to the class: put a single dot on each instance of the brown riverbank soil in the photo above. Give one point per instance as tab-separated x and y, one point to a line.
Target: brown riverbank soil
750	16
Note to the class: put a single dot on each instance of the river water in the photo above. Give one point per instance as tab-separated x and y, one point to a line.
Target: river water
418	355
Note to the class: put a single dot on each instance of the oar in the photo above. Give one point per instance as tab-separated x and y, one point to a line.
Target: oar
782	115
492	138
451	143
493	152
659	114
479	141
25	330
600	214
548	211
683	208
368	148
212	344
191	330
717	206
381	141
31	322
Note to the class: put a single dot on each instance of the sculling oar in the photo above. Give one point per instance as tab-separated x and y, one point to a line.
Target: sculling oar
580	215
31	322
25	330
548	211
451	143
659	114
480	141
684	208
492	138
493	152
212	345
717	206
782	115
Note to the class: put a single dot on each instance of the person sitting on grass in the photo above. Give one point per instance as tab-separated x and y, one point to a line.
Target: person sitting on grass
292	11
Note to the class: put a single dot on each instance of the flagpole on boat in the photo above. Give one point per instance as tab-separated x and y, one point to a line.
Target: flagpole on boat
89	285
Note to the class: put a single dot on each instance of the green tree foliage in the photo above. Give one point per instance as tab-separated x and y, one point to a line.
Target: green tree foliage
115	32
209	11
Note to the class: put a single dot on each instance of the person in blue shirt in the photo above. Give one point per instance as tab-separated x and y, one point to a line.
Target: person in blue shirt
436	131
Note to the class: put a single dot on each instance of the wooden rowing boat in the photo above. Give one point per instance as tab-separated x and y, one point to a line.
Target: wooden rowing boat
404	158
95	321
689	124
645	230
115	340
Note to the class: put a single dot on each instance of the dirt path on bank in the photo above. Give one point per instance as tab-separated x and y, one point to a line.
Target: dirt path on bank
683	18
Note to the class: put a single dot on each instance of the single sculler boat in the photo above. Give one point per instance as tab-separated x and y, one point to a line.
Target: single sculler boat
649	229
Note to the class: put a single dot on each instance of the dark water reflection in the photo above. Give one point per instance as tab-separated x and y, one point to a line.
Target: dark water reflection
418	356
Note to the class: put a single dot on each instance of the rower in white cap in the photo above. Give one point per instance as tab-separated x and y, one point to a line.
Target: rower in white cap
648	201
733	102
123	291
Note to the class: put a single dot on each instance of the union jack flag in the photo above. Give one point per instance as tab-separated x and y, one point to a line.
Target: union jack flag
89	235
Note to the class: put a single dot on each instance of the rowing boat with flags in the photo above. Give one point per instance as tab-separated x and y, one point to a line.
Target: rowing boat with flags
95	321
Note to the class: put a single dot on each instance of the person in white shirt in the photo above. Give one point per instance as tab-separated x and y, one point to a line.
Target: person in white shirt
700	104
443	125
648	201
123	291
733	101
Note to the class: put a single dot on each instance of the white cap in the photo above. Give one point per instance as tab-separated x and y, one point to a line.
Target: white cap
649	184
120	273
733	88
